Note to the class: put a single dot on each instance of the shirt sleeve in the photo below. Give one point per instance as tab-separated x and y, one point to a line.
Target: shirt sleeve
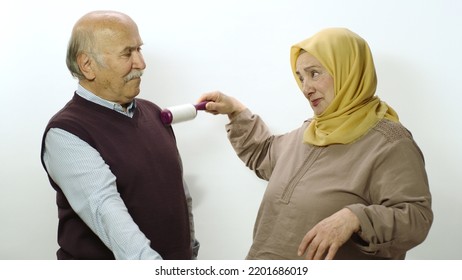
195	245
90	187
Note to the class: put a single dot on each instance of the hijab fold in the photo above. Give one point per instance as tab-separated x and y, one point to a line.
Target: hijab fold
355	109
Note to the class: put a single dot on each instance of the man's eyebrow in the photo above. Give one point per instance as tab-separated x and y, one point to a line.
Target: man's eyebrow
130	48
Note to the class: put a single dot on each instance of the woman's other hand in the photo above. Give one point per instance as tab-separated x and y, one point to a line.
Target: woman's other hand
325	238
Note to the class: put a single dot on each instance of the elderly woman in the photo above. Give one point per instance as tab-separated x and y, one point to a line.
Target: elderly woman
350	183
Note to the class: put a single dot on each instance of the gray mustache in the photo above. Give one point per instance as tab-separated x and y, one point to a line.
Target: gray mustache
133	75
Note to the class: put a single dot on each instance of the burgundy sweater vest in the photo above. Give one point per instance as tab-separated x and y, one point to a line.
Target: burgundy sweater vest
142	153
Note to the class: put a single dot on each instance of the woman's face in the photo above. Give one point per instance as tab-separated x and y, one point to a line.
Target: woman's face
317	83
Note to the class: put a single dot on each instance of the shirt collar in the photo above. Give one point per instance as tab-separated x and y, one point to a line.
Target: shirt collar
88	95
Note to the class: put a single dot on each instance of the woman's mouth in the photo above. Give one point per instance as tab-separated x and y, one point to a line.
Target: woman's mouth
315	102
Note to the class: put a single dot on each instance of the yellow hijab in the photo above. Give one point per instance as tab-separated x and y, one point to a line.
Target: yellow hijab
355	109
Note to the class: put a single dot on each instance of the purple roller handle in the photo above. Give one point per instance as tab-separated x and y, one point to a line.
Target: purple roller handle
201	105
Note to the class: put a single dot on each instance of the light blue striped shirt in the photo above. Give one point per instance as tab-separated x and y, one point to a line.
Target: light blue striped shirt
90	187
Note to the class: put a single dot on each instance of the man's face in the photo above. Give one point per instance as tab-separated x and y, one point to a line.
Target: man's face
119	64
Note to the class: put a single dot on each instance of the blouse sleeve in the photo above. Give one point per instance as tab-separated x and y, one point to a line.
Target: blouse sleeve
252	141
400	215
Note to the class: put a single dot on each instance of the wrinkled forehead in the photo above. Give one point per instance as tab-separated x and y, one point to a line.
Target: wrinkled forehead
110	29
305	60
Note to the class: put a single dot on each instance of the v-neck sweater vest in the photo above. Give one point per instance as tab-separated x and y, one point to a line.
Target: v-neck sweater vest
142	153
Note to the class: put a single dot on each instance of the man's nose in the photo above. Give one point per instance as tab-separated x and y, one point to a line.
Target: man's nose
138	61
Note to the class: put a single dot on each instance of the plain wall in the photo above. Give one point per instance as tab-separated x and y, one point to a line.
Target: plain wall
240	47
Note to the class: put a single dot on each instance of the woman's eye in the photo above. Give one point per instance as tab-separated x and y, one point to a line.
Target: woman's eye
314	74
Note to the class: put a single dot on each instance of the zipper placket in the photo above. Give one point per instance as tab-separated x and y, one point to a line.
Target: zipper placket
307	163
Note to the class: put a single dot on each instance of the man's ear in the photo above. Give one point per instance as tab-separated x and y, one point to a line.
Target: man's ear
85	63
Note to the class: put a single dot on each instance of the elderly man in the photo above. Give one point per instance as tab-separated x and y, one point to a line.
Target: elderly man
115	167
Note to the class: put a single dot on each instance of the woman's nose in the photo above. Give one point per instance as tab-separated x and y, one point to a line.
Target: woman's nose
307	88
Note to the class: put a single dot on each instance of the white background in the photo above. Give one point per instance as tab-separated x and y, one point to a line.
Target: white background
240	47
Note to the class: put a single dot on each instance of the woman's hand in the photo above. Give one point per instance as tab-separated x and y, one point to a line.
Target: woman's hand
222	104
325	238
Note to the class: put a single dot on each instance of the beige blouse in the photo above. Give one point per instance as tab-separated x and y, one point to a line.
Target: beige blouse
381	177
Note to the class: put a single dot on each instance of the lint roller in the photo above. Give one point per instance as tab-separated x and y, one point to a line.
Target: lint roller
181	113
